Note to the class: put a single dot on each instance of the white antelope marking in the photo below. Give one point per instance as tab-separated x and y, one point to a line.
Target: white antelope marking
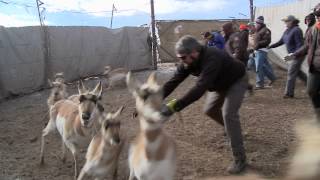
152	155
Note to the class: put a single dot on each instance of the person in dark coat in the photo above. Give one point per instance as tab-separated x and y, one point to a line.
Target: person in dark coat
293	39
312	50
262	39
225	81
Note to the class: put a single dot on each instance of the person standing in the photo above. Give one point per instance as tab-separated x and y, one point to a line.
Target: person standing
237	47
225	80
214	39
312	50
261	42
293	39
227	31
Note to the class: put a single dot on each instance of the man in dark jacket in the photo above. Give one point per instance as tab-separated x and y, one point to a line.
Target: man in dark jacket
312	49
225	80
293	39
261	42
237	45
227	30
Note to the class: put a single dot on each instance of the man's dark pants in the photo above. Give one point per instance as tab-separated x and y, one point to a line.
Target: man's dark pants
313	88
224	108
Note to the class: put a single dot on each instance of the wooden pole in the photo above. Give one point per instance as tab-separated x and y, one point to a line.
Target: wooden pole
251	11
154	38
39	15
112	15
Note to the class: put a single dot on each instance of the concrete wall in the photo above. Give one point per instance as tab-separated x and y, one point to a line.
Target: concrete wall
76	51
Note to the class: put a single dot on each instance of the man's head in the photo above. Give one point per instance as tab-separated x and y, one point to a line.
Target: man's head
188	49
316	12
259	22
290	21
207	36
227	29
310	19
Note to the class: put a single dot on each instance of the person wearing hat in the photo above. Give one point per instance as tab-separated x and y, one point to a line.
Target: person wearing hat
293	39
262	40
214	39
312	50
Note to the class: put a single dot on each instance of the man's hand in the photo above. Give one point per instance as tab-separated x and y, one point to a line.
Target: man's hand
289	57
169	108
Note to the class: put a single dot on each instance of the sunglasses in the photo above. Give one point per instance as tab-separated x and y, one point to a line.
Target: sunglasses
182	57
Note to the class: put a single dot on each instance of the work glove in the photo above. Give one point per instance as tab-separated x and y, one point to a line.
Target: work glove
289	57
169	108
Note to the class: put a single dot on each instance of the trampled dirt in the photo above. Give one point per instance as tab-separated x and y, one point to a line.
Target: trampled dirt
267	122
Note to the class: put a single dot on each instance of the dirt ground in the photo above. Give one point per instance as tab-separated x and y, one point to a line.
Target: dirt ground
267	122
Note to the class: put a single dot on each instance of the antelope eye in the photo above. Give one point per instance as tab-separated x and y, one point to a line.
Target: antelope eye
145	94
82	98
94	99
106	126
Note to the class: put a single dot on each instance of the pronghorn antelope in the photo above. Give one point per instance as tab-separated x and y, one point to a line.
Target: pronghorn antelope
152	156
58	91
73	121
115	78
104	149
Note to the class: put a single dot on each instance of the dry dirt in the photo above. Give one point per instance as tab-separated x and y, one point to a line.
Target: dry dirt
267	122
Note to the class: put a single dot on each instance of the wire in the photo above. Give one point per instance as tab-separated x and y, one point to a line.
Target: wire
49	7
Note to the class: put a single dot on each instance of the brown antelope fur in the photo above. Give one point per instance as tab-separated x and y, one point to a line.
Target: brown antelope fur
73	121
115	78
104	149
152	155
58	91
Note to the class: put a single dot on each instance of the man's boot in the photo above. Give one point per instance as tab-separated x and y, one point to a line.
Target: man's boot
237	167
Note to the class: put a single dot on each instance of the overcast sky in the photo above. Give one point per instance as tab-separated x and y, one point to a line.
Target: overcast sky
128	12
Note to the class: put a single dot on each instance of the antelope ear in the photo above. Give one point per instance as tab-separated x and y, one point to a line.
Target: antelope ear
81	88
132	84
152	79
116	114
98	90
107	70
50	83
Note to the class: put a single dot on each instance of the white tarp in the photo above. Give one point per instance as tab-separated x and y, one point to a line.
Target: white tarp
273	16
76	51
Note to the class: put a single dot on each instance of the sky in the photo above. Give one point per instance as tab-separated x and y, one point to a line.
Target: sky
16	13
